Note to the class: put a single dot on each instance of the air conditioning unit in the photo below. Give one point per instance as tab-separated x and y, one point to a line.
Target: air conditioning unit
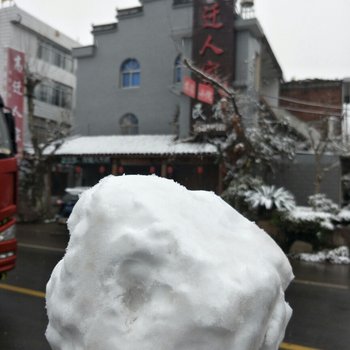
247	9
247	3
334	127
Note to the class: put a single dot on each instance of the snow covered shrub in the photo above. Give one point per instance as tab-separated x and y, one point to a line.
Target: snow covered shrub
305	224
269	198
343	216
235	194
306	214
319	202
338	255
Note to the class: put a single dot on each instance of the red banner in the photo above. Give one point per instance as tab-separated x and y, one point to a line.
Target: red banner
205	93
213	38
15	92
189	87
213	43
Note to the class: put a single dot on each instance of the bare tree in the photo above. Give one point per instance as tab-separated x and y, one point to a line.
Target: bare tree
244	150
35	163
320	144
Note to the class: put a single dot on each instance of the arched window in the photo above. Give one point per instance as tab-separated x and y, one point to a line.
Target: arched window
130	73
129	124
178	70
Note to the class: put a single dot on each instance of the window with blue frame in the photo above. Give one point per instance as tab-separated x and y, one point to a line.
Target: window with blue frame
178	70
130	73
129	124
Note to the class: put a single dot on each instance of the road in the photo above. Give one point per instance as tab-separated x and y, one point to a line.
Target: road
319	297
23	317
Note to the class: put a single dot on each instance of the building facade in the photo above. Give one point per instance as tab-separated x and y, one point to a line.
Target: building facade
132	82
317	102
132	76
29	46
320	108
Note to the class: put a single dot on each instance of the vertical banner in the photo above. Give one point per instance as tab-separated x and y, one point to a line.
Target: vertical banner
213	38
15	92
213	46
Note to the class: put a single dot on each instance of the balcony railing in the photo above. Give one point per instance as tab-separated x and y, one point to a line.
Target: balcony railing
181	2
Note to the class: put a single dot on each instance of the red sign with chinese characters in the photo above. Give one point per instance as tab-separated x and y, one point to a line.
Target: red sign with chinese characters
213	38
15	92
213	46
189	87
205	93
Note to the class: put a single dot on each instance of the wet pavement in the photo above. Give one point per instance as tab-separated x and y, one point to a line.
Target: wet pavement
48	235
322	273
56	236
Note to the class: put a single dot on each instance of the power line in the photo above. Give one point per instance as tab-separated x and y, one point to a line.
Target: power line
320	113
303	102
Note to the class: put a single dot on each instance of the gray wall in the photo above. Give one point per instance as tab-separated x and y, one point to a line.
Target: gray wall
252	46
241	64
299	177
154	38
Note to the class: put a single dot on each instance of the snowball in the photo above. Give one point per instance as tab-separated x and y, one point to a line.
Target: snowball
151	265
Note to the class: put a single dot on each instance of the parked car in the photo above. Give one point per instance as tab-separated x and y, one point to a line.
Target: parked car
67	203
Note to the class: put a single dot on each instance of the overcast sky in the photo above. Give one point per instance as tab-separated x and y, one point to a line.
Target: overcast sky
309	37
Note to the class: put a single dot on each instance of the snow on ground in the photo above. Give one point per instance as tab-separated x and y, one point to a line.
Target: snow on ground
338	255
153	266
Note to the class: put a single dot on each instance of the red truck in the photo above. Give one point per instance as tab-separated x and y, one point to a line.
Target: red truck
8	190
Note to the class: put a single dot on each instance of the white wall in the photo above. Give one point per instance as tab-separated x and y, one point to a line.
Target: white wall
21	31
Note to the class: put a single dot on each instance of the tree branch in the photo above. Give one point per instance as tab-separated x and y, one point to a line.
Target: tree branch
215	83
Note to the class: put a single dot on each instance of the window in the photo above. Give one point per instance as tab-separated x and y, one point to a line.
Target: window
178	70
41	127
5	140
45	129
129	124
55	93
130	74
257	77
346	91
181	2
55	55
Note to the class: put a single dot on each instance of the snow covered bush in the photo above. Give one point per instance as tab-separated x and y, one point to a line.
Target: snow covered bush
319	202
344	216
338	255
268	198
153	266
325	220
305	224
235	194
255	200
314	224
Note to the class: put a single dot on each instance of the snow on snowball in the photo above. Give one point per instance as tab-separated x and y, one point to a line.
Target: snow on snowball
151	265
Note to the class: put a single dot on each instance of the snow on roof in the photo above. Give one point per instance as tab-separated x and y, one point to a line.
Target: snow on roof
124	5
133	145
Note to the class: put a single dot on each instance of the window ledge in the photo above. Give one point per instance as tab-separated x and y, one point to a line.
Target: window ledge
129	87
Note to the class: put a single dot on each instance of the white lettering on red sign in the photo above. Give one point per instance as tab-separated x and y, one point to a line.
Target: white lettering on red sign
205	93
189	87
15	92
